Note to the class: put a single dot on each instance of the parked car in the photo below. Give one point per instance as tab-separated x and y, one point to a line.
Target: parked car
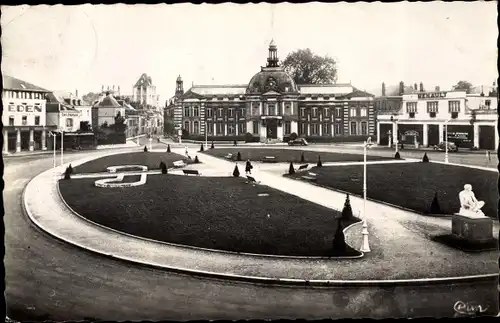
442	147
298	142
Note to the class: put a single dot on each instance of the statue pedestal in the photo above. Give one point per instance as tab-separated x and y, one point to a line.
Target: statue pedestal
476	230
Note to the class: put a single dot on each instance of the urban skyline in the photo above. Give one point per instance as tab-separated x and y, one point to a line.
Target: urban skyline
113	45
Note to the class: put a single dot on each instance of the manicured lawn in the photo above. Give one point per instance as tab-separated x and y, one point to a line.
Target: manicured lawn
209	212
289	155
413	185
150	159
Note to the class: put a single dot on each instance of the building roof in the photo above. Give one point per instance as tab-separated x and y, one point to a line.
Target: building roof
12	83
338	89
144	80
56	103
107	101
271	78
218	89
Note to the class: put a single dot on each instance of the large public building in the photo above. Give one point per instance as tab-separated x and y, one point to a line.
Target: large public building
271	107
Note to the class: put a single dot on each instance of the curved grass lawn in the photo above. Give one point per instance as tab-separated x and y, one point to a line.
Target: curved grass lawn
150	159
210	212
289	155
413	185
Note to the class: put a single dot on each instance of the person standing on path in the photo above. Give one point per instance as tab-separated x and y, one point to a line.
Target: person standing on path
248	167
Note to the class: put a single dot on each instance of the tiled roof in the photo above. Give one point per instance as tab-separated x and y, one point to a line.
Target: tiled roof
338	89
219	89
12	83
108	102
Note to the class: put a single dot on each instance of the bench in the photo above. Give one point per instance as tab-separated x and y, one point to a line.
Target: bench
191	172
229	156
251	179
179	163
269	159
303	166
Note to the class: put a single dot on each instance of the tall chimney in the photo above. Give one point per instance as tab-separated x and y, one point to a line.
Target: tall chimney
401	88
383	89
437	89
421	87
113	88
76	92
102	88
108	87
118	89
415	86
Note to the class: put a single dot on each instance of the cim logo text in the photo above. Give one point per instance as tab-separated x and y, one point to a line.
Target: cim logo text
469	308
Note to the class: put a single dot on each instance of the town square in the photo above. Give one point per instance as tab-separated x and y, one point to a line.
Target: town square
249	172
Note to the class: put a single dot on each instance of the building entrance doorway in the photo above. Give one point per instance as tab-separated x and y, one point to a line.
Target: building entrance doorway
272	128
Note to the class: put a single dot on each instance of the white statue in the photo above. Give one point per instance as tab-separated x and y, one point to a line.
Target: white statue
469	205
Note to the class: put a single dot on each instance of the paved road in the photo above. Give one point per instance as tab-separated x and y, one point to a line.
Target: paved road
50	280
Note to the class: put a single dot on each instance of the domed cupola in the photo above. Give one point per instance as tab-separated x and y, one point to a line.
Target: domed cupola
272	77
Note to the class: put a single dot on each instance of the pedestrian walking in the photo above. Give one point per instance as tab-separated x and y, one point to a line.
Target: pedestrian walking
248	167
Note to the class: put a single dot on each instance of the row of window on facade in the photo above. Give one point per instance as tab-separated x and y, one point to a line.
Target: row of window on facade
271	110
24	121
326	128
9	94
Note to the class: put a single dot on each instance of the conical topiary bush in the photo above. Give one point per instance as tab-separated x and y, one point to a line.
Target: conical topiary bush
202	148
396	156
70	169
238	156
67	173
319	164
302	158
425	159
291	170
196	160
338	244
435	207
236	172
145	149
168	148
235	143
347	210
212	146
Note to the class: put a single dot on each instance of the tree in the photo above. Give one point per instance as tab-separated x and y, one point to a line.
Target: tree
435	207
236	172
463	86
338	244
347	210
319	164
91	97
291	170
201	148
168	148
305	67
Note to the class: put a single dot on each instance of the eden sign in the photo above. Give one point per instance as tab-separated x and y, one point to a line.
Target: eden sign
432	95
25	108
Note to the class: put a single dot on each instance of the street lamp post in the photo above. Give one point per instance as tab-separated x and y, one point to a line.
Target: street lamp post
395	134
54	136
365	247
62	147
206	136
446	141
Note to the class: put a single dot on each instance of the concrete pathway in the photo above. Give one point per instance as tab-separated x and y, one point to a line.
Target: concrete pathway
399	251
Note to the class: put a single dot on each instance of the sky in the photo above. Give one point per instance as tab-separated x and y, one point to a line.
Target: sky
68	48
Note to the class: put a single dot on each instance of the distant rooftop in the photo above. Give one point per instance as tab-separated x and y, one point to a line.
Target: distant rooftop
12	83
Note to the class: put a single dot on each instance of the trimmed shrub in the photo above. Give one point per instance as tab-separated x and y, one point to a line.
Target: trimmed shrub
302	158
196	160
319	164
425	159
293	136
248	137
236	172
291	170
67	173
70	169
145	149
212	146
163	168
238	157
338	243
235	143
435	208
347	210
396	156
201	148
168	148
